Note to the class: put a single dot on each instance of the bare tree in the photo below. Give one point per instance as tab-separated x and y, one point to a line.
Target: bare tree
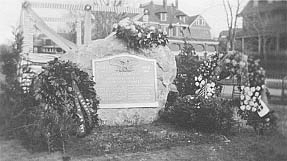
102	22
231	19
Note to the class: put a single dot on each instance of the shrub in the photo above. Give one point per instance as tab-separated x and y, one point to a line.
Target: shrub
206	115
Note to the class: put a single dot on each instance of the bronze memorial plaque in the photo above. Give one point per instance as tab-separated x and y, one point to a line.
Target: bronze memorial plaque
126	81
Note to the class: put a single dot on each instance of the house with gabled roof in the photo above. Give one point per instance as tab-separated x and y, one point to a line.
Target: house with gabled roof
179	25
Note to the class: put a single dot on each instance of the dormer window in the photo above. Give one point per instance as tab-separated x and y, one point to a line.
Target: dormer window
182	18
200	22
163	16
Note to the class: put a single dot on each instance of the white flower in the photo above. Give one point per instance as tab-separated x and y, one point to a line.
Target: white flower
249	93
253	109
197	84
139	34
246	88
242	108
234	63
202	82
258	88
245	102
133	28
247	98
212	84
199	78
251	103
209	94
255	104
227	60
253	89
267	119
241	97
115	26
241	64
195	78
254	98
148	35
256	94
209	90
248	107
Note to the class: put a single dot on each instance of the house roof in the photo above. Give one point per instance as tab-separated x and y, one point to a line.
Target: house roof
172	13
264	6
191	19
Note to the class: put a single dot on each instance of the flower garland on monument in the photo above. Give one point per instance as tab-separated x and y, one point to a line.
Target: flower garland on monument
139	35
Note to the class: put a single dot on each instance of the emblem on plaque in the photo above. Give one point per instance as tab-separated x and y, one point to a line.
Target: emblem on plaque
124	65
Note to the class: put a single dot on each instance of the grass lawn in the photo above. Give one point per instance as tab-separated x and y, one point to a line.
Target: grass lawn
160	141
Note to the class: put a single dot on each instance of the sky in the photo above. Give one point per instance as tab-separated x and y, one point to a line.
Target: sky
211	10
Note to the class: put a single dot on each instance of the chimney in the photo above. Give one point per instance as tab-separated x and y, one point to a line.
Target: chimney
164	3
255	3
176	4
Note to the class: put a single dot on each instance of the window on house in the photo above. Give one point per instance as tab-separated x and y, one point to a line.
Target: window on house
174	31
182	18
170	33
163	16
202	22
164	29
48	42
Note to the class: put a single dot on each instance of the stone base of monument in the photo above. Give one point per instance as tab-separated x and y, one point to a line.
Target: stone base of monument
127	116
132	85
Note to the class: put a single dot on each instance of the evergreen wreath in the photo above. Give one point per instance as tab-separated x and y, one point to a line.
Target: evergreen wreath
139	36
68	102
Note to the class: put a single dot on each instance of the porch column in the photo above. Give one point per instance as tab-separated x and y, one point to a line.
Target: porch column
259	44
242	44
277	43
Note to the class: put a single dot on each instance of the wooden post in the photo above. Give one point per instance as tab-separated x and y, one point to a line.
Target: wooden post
27	33
79	32
259	44
88	17
242	45
283	86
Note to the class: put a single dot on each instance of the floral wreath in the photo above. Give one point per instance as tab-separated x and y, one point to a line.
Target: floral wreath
139	36
250	75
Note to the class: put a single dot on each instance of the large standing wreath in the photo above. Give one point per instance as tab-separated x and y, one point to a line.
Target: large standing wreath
68	101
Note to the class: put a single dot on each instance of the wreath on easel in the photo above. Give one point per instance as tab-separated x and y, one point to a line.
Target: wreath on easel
250	82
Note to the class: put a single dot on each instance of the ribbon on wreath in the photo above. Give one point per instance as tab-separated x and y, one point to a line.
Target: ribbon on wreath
84	109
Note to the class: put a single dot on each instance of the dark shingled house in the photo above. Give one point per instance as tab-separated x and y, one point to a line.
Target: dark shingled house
264	28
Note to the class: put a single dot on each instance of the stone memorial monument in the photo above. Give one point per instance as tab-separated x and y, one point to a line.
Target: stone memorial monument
132	85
